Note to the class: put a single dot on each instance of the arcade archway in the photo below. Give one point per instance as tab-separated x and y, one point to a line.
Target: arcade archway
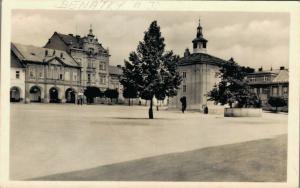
15	94
70	95
53	94
35	94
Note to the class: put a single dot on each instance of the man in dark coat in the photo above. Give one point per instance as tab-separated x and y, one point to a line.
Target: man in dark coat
183	103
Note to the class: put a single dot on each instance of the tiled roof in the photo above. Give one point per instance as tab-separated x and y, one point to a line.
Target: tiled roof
37	54
201	58
283	76
114	70
74	41
261	73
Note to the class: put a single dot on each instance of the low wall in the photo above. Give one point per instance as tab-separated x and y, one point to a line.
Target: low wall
242	112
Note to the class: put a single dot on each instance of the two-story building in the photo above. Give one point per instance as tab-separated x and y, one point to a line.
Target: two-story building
50	75
17	79
267	83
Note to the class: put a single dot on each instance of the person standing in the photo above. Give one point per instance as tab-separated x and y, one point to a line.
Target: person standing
183	103
80	97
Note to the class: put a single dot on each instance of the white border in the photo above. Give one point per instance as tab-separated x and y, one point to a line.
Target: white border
293	128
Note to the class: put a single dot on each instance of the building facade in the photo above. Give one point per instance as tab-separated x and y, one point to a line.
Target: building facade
269	83
199	72
50	75
66	65
17	79
115	73
88	53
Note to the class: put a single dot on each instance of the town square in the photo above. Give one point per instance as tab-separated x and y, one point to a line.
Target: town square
97	135
141	96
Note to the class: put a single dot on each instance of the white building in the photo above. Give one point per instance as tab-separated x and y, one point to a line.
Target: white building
199	71
17	80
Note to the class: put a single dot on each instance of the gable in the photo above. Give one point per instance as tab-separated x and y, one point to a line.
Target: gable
54	61
55	42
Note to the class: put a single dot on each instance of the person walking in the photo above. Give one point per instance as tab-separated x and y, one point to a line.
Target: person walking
183	103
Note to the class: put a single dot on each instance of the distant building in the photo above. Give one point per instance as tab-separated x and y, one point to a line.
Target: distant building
50	75
267	83
115	73
199	72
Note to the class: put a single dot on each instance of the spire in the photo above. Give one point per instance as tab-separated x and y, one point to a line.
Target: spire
199	30
91	31
199	43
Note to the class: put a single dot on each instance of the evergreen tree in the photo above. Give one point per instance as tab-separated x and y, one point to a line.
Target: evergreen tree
151	70
232	87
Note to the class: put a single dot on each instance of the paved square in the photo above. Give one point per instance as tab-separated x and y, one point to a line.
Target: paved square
54	138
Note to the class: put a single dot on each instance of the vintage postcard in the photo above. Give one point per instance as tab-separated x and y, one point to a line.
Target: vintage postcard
149	94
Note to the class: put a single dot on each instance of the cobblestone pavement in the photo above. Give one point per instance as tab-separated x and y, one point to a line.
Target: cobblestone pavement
54	138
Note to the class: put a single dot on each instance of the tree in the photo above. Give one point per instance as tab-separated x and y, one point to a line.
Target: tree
129	93
152	70
91	93
111	93
232	87
276	102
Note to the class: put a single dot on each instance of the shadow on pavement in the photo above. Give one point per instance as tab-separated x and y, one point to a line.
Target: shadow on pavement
253	161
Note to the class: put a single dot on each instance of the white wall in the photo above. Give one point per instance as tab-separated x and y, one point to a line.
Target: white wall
20	83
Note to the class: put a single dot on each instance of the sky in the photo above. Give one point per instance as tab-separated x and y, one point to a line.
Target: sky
252	39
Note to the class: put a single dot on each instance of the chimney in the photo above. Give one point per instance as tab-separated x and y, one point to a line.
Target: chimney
61	55
260	69
46	52
282	68
186	53
53	52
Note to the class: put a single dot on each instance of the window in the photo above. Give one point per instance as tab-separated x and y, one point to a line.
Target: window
195	45
31	73
252	79
183	74
265	91
17	74
275	91
102	66
184	88
266	78
74	76
285	90
60	76
67	75
90	64
102	79
89	77
40	74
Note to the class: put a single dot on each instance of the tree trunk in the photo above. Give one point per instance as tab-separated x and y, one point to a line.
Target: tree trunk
151	109
128	101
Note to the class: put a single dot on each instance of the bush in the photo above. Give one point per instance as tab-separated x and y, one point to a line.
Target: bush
276	102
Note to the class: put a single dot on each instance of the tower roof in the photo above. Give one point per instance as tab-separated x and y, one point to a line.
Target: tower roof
91	31
199	35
